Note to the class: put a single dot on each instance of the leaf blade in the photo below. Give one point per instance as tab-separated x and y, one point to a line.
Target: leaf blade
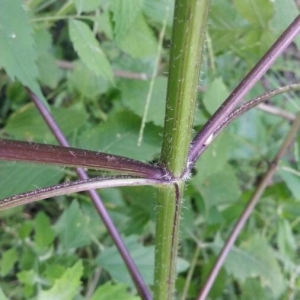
18	55
88	49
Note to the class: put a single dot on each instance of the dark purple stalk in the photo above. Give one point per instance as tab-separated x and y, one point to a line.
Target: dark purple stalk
242	89
72	157
115	235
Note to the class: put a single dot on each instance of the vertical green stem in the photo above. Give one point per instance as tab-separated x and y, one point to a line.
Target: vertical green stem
189	30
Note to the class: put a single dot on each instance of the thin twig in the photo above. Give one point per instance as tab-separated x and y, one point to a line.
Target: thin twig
249	209
190	273
154	74
76	187
276	111
246	107
254	102
111	228
93	284
242	89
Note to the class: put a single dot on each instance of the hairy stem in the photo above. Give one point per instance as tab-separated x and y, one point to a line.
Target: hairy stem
249	209
190	18
242	89
72	157
75	187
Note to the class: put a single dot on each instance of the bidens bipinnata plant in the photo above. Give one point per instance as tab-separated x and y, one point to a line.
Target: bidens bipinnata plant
116	84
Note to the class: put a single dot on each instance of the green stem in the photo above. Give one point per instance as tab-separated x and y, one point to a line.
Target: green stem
190	19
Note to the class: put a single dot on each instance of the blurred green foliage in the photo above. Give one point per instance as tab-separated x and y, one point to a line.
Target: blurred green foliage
93	60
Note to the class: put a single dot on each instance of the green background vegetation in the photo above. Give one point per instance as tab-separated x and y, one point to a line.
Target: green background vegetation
82	55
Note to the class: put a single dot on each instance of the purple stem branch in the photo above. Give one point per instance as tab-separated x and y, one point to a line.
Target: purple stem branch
249	105
115	235
72	157
242	89
76	187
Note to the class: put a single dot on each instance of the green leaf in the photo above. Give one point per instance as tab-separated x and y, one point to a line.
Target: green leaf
119	135
257	12
18	56
28	124
220	188
252	290
72	227
22	177
44	234
66	287
140	41
155	10
215	95
134	96
86	5
25	229
143	257
292	181
124	15
8	260
141	209
214	158
113	291
89	50
86	83
2	296
254	258
27	277
225	26
48	70
286	240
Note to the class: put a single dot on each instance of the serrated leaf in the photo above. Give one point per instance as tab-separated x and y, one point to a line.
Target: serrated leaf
215	95
224	26
124	15
143	257
113	291
44	234
18	56
66	287
119	135
140	41
9	258
22	177
48	69
72	227
88	49
254	258
135	93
